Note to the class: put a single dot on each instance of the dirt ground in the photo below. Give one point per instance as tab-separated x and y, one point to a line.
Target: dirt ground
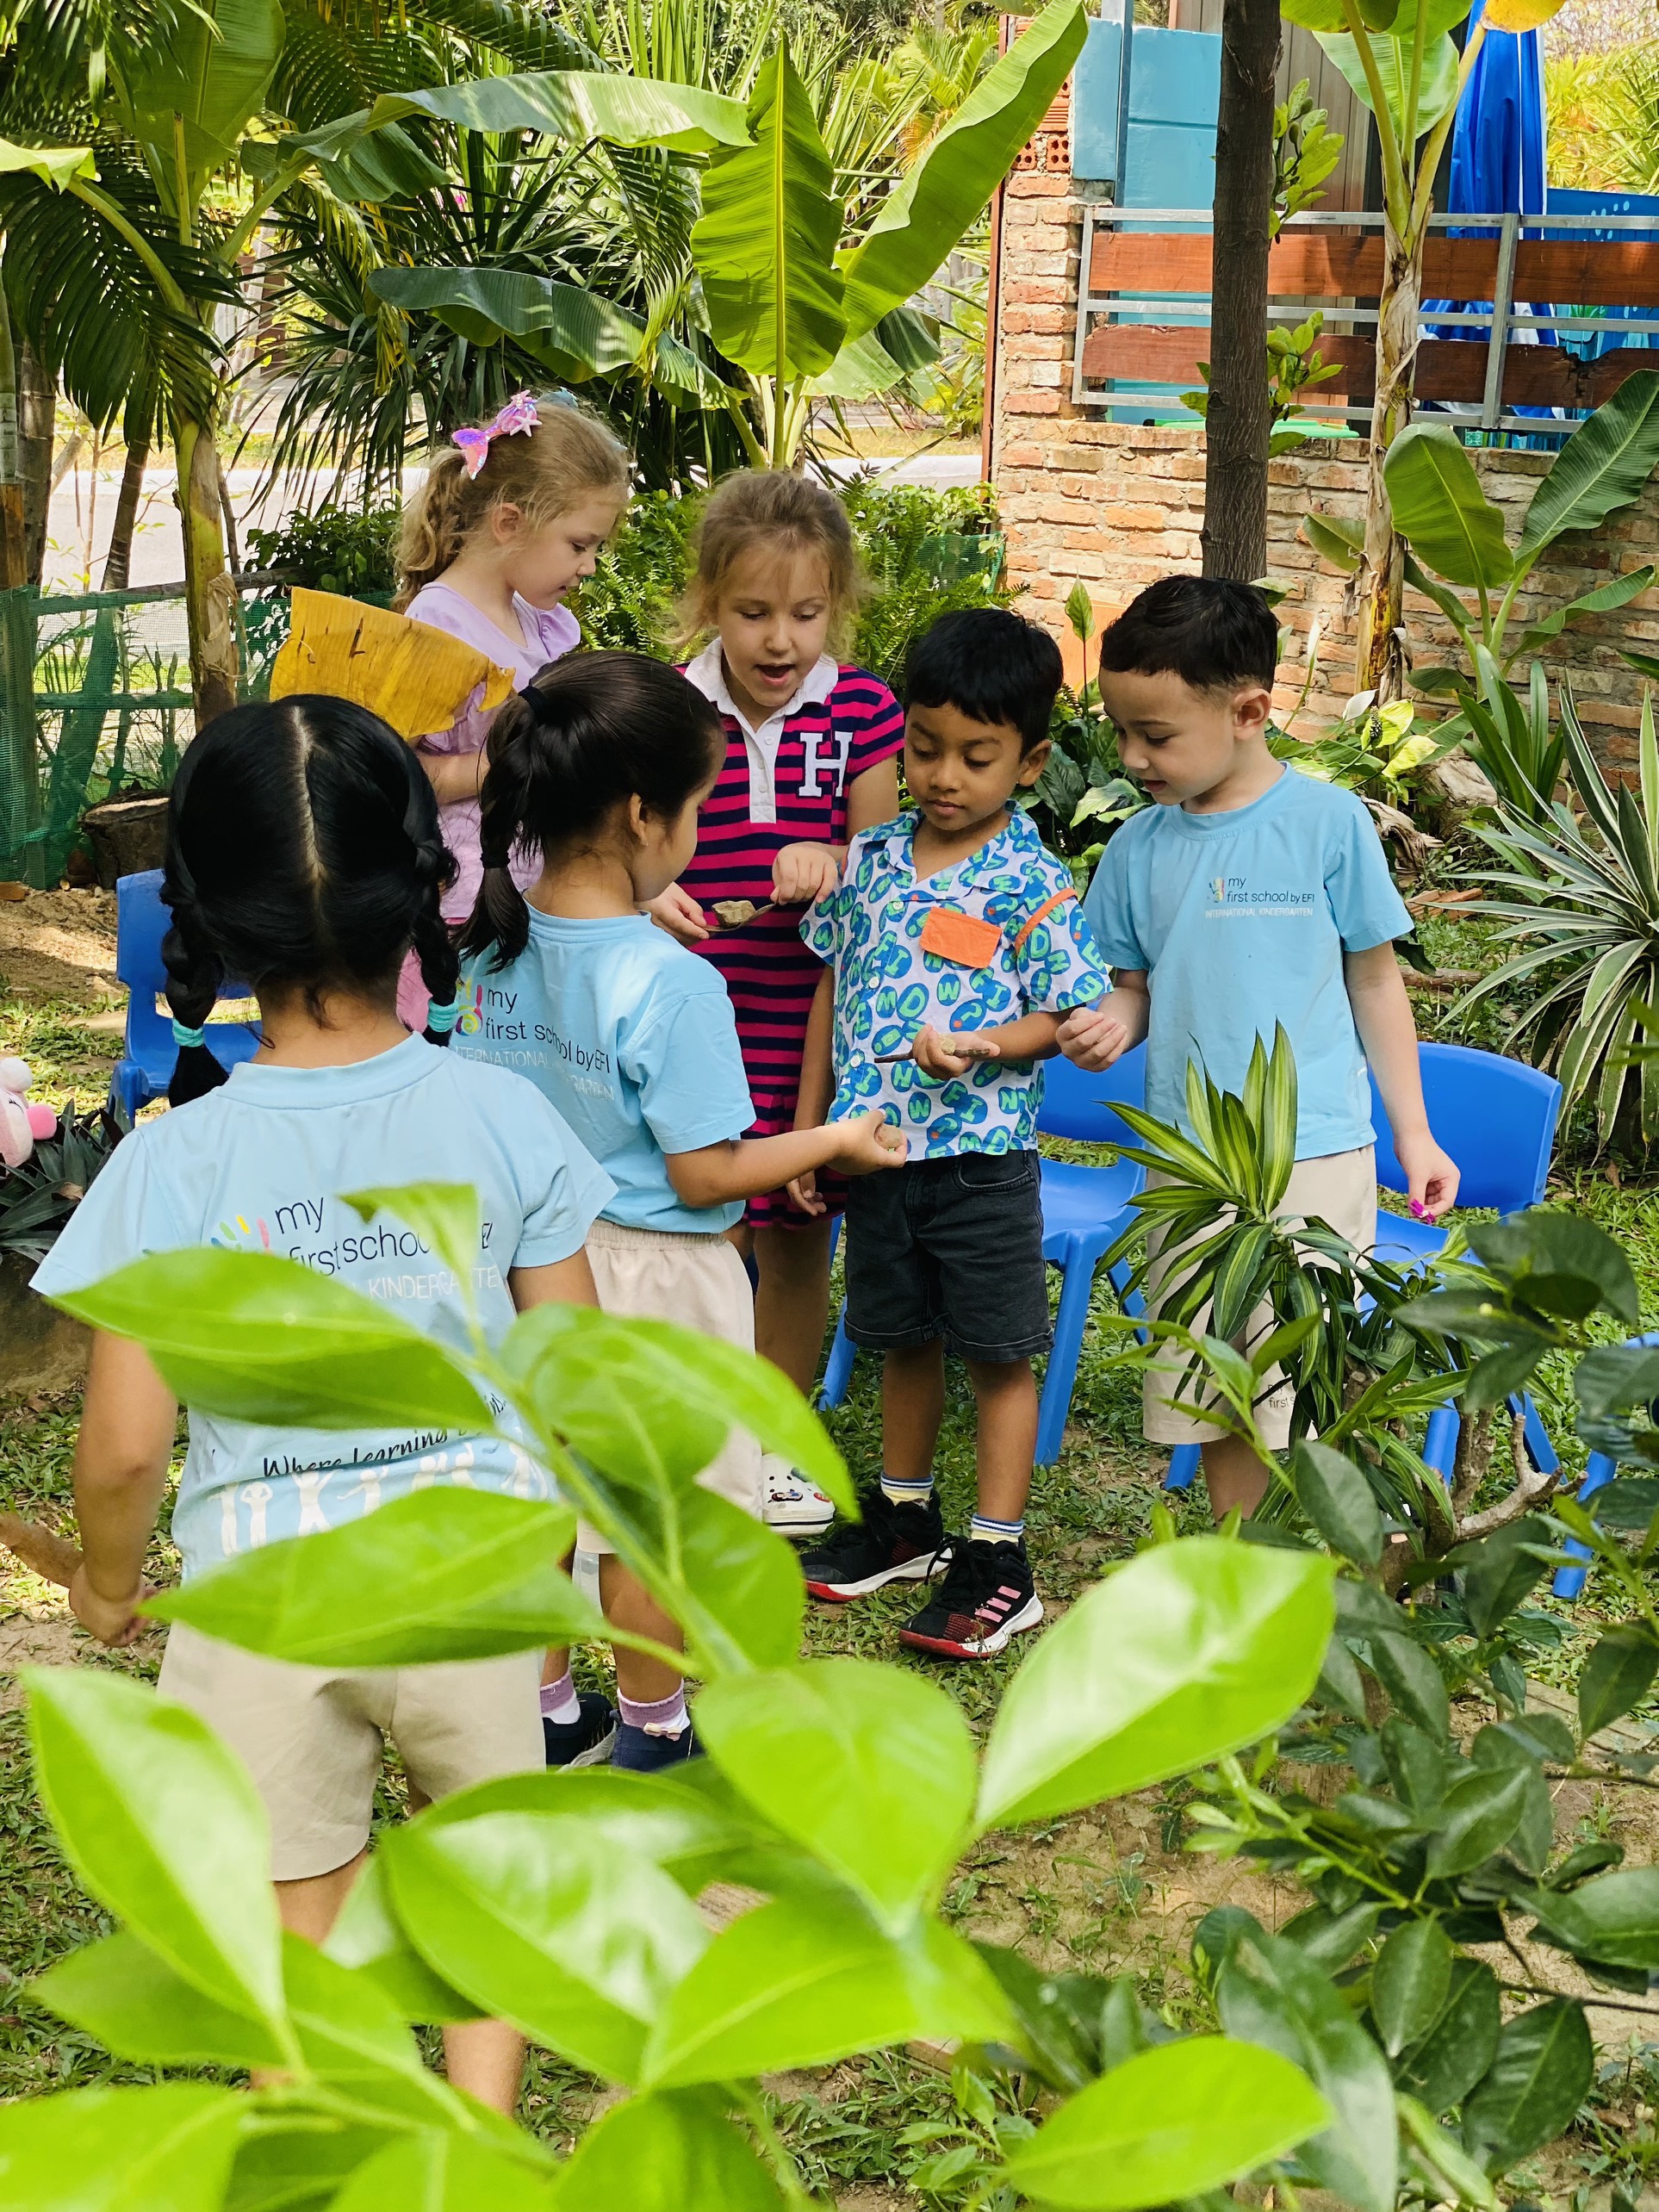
59	944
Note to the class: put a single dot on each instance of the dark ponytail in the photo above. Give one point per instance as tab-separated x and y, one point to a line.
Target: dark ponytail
303	851
586	733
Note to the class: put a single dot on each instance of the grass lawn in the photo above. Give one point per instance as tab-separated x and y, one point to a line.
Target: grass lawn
1107	1891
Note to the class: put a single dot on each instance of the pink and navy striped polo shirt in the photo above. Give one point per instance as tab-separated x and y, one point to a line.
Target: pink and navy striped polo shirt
784	784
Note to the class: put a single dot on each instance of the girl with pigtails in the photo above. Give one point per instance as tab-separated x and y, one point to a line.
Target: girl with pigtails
597	771
304	855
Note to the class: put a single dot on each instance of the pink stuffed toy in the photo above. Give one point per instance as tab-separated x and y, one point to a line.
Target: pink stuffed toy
19	1122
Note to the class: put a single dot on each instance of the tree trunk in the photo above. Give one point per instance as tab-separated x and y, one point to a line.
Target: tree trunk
1238	420
210	594
1378	584
118	561
37	425
19	776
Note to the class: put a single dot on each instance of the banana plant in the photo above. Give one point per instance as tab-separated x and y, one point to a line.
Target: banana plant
192	113
1579	901
1401	60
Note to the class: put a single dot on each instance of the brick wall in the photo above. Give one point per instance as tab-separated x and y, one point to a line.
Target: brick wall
1115	506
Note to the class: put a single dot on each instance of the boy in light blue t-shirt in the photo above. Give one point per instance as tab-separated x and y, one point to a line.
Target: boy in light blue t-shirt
1247	896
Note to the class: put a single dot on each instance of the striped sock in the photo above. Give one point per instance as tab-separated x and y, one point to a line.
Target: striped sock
898	1493
983	1530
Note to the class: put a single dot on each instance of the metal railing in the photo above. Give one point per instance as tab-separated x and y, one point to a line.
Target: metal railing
1498	319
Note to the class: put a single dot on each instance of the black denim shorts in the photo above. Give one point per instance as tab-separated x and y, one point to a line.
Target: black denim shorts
953	1248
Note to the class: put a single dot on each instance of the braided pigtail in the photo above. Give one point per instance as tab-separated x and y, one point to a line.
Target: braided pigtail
434	941
499	922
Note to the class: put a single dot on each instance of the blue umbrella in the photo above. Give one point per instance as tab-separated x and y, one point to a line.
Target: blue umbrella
1498	140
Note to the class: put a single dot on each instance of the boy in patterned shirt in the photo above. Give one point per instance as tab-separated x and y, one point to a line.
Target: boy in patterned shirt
956	946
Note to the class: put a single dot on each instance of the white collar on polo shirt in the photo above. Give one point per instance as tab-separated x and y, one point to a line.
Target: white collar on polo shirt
708	672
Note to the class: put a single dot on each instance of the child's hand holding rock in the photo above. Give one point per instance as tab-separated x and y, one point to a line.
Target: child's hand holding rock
871	1142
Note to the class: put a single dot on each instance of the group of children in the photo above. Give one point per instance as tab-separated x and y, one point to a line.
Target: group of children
704	985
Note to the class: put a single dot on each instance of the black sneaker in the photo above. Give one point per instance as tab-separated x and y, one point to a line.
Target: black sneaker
892	1544
640	1752
586	1741
986	1597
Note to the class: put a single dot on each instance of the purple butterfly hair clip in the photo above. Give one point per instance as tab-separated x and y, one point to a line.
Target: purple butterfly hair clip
519	415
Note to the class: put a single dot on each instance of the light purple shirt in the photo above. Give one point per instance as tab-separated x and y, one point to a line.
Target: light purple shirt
546	634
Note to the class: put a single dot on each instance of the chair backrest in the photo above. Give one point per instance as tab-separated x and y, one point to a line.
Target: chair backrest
141	922
1495	1117
1079	1106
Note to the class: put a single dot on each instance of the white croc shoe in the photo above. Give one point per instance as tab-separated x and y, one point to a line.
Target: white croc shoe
789	1502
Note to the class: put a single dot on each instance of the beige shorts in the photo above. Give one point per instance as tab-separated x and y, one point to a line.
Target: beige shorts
312	1739
1341	1188
657	1275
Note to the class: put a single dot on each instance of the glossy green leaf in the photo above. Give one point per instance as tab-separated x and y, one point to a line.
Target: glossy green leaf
1500	1572
574	105
367	1938
651	1402
444	2172
1603	466
1330	1939
194	83
167	2149
1337	1500
1443	2065
1413	1682
1564	1264
1268	1993
541	1922
765	246
119	1990
686	1821
1172	2123
256	1338
869	1768
353	2038
1544	2065
1629	1501
1613	1919
1410	1983
1437	89
1191	1650
576	333
1616	1676
1439	505
920	222
162	1826
1480	1814
1465	2182
447	1574
667	2152
53	165
1533	1837
444	1216
806	1980
1334	538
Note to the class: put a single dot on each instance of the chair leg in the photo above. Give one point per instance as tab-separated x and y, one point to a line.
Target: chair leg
1440	1443
1076	1284
1569	1584
1539	1450
1184	1461
838	1373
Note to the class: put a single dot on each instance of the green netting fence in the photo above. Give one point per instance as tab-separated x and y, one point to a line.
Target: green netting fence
101	713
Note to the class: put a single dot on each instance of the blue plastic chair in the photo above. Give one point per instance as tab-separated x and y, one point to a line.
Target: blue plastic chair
146	1066
1083	1211
1497	1119
1598	1471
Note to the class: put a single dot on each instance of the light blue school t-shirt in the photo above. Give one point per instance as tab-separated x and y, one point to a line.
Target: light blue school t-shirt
632	1038
1241	919
259	1165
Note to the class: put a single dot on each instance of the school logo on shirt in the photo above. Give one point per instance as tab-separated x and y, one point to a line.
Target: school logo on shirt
472	1014
1235	898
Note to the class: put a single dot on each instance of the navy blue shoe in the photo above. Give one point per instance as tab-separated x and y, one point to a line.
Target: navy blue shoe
638	1752
586	1741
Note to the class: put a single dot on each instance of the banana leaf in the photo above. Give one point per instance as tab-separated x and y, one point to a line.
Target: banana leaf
193	87
53	165
765	247
1603	466
1439	507
1335	539
576	332
922	222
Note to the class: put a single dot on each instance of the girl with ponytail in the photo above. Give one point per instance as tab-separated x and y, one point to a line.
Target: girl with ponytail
511	517
303	856
596	772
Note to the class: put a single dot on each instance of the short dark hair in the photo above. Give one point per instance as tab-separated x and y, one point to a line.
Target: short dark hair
991	666
1212	634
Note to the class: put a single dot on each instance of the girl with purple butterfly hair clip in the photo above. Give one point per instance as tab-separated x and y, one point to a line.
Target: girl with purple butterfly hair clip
511	517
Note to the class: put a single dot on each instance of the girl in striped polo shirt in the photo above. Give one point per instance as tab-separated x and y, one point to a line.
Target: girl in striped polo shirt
812	747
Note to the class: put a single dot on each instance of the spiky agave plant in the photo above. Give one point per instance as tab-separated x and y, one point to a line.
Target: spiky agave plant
1579	887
